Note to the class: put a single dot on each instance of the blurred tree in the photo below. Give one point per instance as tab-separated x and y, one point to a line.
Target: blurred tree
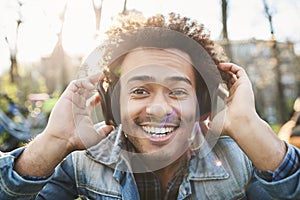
225	38
282	111
13	47
124	7
54	67
97	4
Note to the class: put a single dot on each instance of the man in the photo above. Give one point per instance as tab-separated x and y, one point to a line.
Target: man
160	95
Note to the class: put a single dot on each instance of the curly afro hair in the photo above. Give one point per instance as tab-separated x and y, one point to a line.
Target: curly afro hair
172	21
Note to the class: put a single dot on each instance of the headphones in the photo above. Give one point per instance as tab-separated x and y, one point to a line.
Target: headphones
208	77
105	88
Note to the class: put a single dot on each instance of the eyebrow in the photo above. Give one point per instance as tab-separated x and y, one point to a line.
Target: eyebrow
150	78
180	78
141	78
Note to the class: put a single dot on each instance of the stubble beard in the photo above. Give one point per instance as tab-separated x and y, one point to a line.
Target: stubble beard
167	153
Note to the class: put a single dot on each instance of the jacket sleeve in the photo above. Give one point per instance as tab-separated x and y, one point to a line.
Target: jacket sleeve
288	185
14	186
60	185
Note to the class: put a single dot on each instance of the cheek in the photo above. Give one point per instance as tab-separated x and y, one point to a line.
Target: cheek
131	109
187	109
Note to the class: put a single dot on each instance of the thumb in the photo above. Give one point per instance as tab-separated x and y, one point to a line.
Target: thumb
105	130
218	123
94	136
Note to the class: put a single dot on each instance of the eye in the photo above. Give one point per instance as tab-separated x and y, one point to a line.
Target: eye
139	92
178	93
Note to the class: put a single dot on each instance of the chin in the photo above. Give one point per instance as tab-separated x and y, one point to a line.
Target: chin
167	153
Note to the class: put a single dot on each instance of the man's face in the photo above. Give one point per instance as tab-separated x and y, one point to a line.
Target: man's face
158	101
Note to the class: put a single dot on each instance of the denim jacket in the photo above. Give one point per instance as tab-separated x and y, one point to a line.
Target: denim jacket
223	173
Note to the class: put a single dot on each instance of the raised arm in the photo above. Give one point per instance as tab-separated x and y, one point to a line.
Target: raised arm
69	128
243	124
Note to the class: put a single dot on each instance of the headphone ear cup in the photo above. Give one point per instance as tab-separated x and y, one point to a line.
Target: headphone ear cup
114	102
106	103
204	102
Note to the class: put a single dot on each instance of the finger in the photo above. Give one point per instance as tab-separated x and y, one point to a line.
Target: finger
232	69
229	67
85	83
81	111
84	127
79	101
96	77
228	99
105	130
218	123
231	81
79	86
94	100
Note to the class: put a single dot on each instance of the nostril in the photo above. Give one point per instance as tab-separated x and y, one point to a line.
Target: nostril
159	110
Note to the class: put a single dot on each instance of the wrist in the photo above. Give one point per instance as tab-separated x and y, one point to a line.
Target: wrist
257	139
57	141
41	156
239	125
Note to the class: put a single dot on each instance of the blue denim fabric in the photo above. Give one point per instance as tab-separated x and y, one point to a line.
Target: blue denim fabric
13	186
223	173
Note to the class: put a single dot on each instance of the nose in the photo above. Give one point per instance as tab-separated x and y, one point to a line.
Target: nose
159	107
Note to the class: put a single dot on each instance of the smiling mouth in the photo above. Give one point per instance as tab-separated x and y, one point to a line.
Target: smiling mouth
158	132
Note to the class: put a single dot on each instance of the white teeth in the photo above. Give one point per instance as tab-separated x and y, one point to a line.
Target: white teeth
156	131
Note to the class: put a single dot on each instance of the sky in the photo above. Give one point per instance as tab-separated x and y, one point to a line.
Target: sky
40	22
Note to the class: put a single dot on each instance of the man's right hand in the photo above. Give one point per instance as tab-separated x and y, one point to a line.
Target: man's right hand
69	128
70	119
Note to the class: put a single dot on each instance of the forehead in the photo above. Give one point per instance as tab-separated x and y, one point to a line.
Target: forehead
157	61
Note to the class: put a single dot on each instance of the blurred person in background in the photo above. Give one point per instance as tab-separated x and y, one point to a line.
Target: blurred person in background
290	131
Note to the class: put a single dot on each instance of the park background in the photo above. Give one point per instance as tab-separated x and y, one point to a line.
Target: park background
43	43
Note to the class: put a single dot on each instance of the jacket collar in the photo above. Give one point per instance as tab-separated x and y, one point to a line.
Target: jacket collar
206	165
108	150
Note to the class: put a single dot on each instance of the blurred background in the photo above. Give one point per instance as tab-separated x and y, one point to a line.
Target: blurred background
43	43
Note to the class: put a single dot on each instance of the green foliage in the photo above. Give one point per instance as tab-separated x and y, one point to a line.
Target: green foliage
9	88
24	86
275	127
48	105
19	91
3	137
289	105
